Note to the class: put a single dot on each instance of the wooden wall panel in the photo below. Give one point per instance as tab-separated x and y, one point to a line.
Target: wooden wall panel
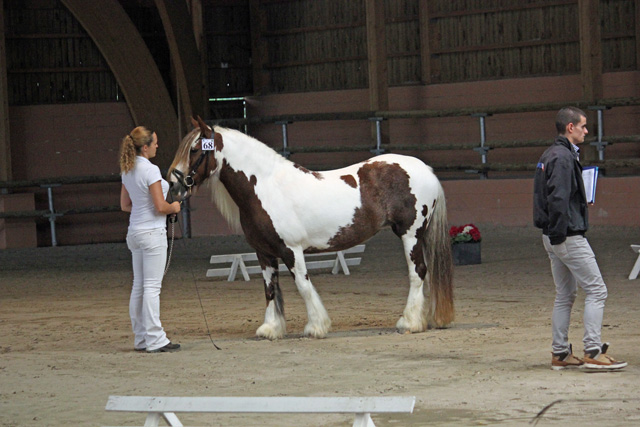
309	43
233	62
5	140
50	57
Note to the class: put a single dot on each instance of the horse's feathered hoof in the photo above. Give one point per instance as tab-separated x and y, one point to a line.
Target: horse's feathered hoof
404	326
269	332
313	331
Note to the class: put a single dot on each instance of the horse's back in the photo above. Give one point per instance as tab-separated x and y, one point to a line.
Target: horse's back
421	179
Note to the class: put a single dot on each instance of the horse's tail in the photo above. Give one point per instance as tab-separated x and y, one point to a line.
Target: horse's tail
439	261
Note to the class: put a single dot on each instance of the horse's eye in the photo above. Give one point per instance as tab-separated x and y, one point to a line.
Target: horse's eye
194	150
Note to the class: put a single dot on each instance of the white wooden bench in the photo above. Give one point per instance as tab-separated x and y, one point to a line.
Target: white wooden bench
336	261
636	267
166	407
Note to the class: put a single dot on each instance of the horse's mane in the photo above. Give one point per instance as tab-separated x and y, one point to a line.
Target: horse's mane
225	204
182	154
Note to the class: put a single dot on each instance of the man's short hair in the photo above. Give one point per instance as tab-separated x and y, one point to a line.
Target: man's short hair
568	115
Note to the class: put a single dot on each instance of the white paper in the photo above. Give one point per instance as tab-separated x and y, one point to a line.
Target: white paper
590	178
208	144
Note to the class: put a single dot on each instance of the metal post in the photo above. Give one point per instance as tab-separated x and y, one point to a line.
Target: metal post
599	143
285	151
52	213
378	150
483	139
186	219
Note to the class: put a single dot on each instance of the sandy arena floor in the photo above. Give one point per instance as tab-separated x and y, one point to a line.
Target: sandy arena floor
66	343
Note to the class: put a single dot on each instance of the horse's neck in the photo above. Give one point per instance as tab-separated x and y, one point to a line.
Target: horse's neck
253	158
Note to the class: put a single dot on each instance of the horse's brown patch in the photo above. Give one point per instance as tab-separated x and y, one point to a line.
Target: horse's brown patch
317	175
386	200
204	129
350	180
217	141
417	252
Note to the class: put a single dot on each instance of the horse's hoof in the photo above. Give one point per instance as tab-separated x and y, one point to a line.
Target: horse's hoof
314	332
268	332
403	326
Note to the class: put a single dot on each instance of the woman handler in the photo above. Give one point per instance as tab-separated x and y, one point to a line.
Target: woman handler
143	195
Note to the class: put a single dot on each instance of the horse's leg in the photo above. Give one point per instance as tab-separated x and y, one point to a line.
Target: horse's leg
319	322
414	317
274	325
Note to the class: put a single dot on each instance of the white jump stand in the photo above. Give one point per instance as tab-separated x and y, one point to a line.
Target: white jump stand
158	408
636	267
340	260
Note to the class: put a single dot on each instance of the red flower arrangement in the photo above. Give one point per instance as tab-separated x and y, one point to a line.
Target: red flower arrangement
465	233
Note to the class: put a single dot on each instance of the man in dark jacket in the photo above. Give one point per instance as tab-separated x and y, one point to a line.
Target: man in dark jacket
560	210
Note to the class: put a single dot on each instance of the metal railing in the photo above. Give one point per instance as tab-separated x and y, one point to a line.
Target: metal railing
52	214
481	113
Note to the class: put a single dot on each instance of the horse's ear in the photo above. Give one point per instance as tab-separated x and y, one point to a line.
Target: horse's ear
206	130
194	122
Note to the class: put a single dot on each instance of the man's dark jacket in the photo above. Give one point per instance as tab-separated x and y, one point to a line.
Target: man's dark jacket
559	201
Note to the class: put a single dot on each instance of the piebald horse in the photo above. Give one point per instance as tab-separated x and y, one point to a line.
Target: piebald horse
286	211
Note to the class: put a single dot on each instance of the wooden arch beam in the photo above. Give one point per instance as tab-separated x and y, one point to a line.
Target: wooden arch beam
133	67
178	26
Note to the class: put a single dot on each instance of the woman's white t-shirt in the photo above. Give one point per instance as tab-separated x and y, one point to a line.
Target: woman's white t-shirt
144	215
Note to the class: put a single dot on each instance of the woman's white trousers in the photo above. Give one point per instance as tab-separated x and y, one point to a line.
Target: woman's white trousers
149	256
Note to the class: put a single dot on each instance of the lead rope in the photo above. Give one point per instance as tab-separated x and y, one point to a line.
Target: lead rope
173	235
173	221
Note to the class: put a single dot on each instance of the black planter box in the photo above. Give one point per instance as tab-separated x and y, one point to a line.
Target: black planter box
466	253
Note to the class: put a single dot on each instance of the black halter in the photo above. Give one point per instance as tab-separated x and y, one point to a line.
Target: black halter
188	181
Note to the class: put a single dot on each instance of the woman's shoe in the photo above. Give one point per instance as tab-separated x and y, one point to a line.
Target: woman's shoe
167	348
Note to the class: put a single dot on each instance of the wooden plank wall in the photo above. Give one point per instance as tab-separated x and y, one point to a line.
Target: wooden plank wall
620	35
5	146
51	59
226	28
314	45
317	45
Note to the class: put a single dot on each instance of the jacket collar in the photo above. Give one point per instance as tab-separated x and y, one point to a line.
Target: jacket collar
561	140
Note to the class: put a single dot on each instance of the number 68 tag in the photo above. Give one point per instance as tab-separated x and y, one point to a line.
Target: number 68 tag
207	144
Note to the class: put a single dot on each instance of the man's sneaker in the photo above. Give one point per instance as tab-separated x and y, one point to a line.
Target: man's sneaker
566	360
598	360
167	348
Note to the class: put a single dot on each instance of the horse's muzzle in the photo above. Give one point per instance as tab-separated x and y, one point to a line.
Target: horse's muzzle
179	192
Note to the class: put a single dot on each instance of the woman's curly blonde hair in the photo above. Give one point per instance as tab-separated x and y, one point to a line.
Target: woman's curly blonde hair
131	145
